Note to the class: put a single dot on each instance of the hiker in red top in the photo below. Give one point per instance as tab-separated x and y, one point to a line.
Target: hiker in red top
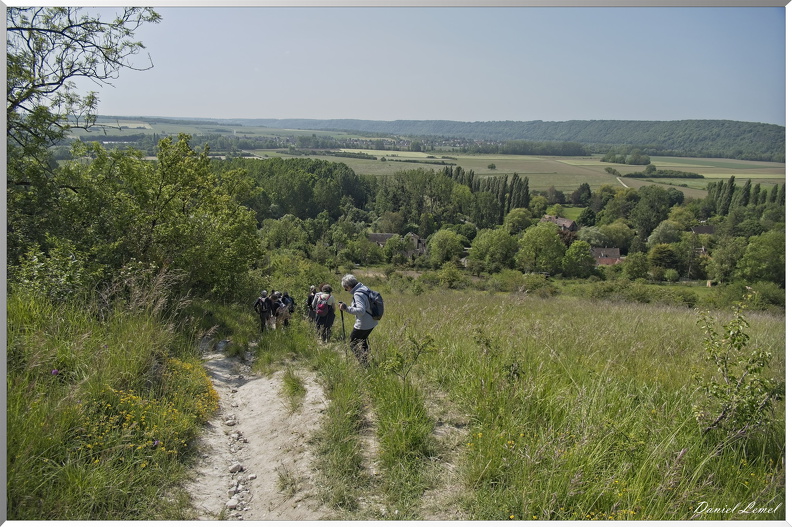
324	308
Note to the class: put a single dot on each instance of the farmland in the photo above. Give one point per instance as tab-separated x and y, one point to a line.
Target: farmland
564	173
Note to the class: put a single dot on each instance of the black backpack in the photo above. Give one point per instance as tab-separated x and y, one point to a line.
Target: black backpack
376	304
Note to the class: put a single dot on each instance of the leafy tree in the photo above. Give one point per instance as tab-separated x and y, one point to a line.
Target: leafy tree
582	195
495	248
619	206
636	265
556	210
444	246
652	208
287	232
541	249
395	250
683	216
176	212
555	196
577	261
601	197
666	232
517	220
663	256
764	259
47	50
539	205
593	236
619	235
462	200
486	210
724	257
587	218
391	222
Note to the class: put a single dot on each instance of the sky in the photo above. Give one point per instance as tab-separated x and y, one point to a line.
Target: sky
458	63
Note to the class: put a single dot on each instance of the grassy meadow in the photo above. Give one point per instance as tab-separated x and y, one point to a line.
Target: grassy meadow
478	406
102	410
508	406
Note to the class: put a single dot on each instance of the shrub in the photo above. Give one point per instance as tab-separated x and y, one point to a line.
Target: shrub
740	398
508	280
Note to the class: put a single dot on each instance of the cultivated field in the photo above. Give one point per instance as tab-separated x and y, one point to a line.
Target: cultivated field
564	173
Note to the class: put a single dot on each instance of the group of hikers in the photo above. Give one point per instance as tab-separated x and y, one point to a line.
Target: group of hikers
320	308
274	310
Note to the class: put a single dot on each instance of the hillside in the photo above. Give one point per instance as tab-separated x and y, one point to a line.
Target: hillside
699	138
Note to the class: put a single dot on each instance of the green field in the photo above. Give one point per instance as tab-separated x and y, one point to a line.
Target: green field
564	173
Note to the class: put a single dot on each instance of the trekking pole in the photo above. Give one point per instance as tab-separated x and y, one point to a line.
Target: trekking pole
343	332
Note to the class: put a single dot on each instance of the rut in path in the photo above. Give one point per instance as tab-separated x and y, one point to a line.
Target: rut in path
255	462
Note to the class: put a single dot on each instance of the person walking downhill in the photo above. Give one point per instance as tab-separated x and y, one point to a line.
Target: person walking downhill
325	312
364	323
263	306
309	304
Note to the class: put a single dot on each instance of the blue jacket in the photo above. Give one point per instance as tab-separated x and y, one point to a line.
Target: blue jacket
360	308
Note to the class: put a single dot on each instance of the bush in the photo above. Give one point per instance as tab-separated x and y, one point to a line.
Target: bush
740	398
507	281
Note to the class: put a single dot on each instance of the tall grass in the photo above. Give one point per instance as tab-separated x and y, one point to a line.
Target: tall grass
102	409
584	410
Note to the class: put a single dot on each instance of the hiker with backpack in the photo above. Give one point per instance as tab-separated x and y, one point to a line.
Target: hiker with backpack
309	304
287	301
263	306
367	307
324	311
279	313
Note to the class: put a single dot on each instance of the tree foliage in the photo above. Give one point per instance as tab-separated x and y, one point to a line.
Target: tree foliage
48	49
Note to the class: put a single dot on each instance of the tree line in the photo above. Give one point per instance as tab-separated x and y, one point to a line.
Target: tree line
688	138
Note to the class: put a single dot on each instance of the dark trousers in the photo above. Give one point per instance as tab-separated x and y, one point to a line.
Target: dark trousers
358	340
323	325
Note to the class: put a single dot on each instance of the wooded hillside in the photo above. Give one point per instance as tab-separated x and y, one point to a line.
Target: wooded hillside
699	138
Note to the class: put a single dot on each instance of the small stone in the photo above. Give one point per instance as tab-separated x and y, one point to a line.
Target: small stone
236	467
230	422
251	477
232	504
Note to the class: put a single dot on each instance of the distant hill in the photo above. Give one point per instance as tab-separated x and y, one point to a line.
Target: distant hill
698	138
716	138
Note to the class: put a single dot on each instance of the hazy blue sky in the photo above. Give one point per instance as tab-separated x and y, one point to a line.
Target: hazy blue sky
460	63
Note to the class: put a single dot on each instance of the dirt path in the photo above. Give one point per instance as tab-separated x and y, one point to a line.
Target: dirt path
255	462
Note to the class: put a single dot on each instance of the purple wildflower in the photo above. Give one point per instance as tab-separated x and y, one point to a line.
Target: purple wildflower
55	372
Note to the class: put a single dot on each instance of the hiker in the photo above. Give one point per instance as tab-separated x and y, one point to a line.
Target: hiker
279	314
364	323
309	304
263	306
289	303
325	312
